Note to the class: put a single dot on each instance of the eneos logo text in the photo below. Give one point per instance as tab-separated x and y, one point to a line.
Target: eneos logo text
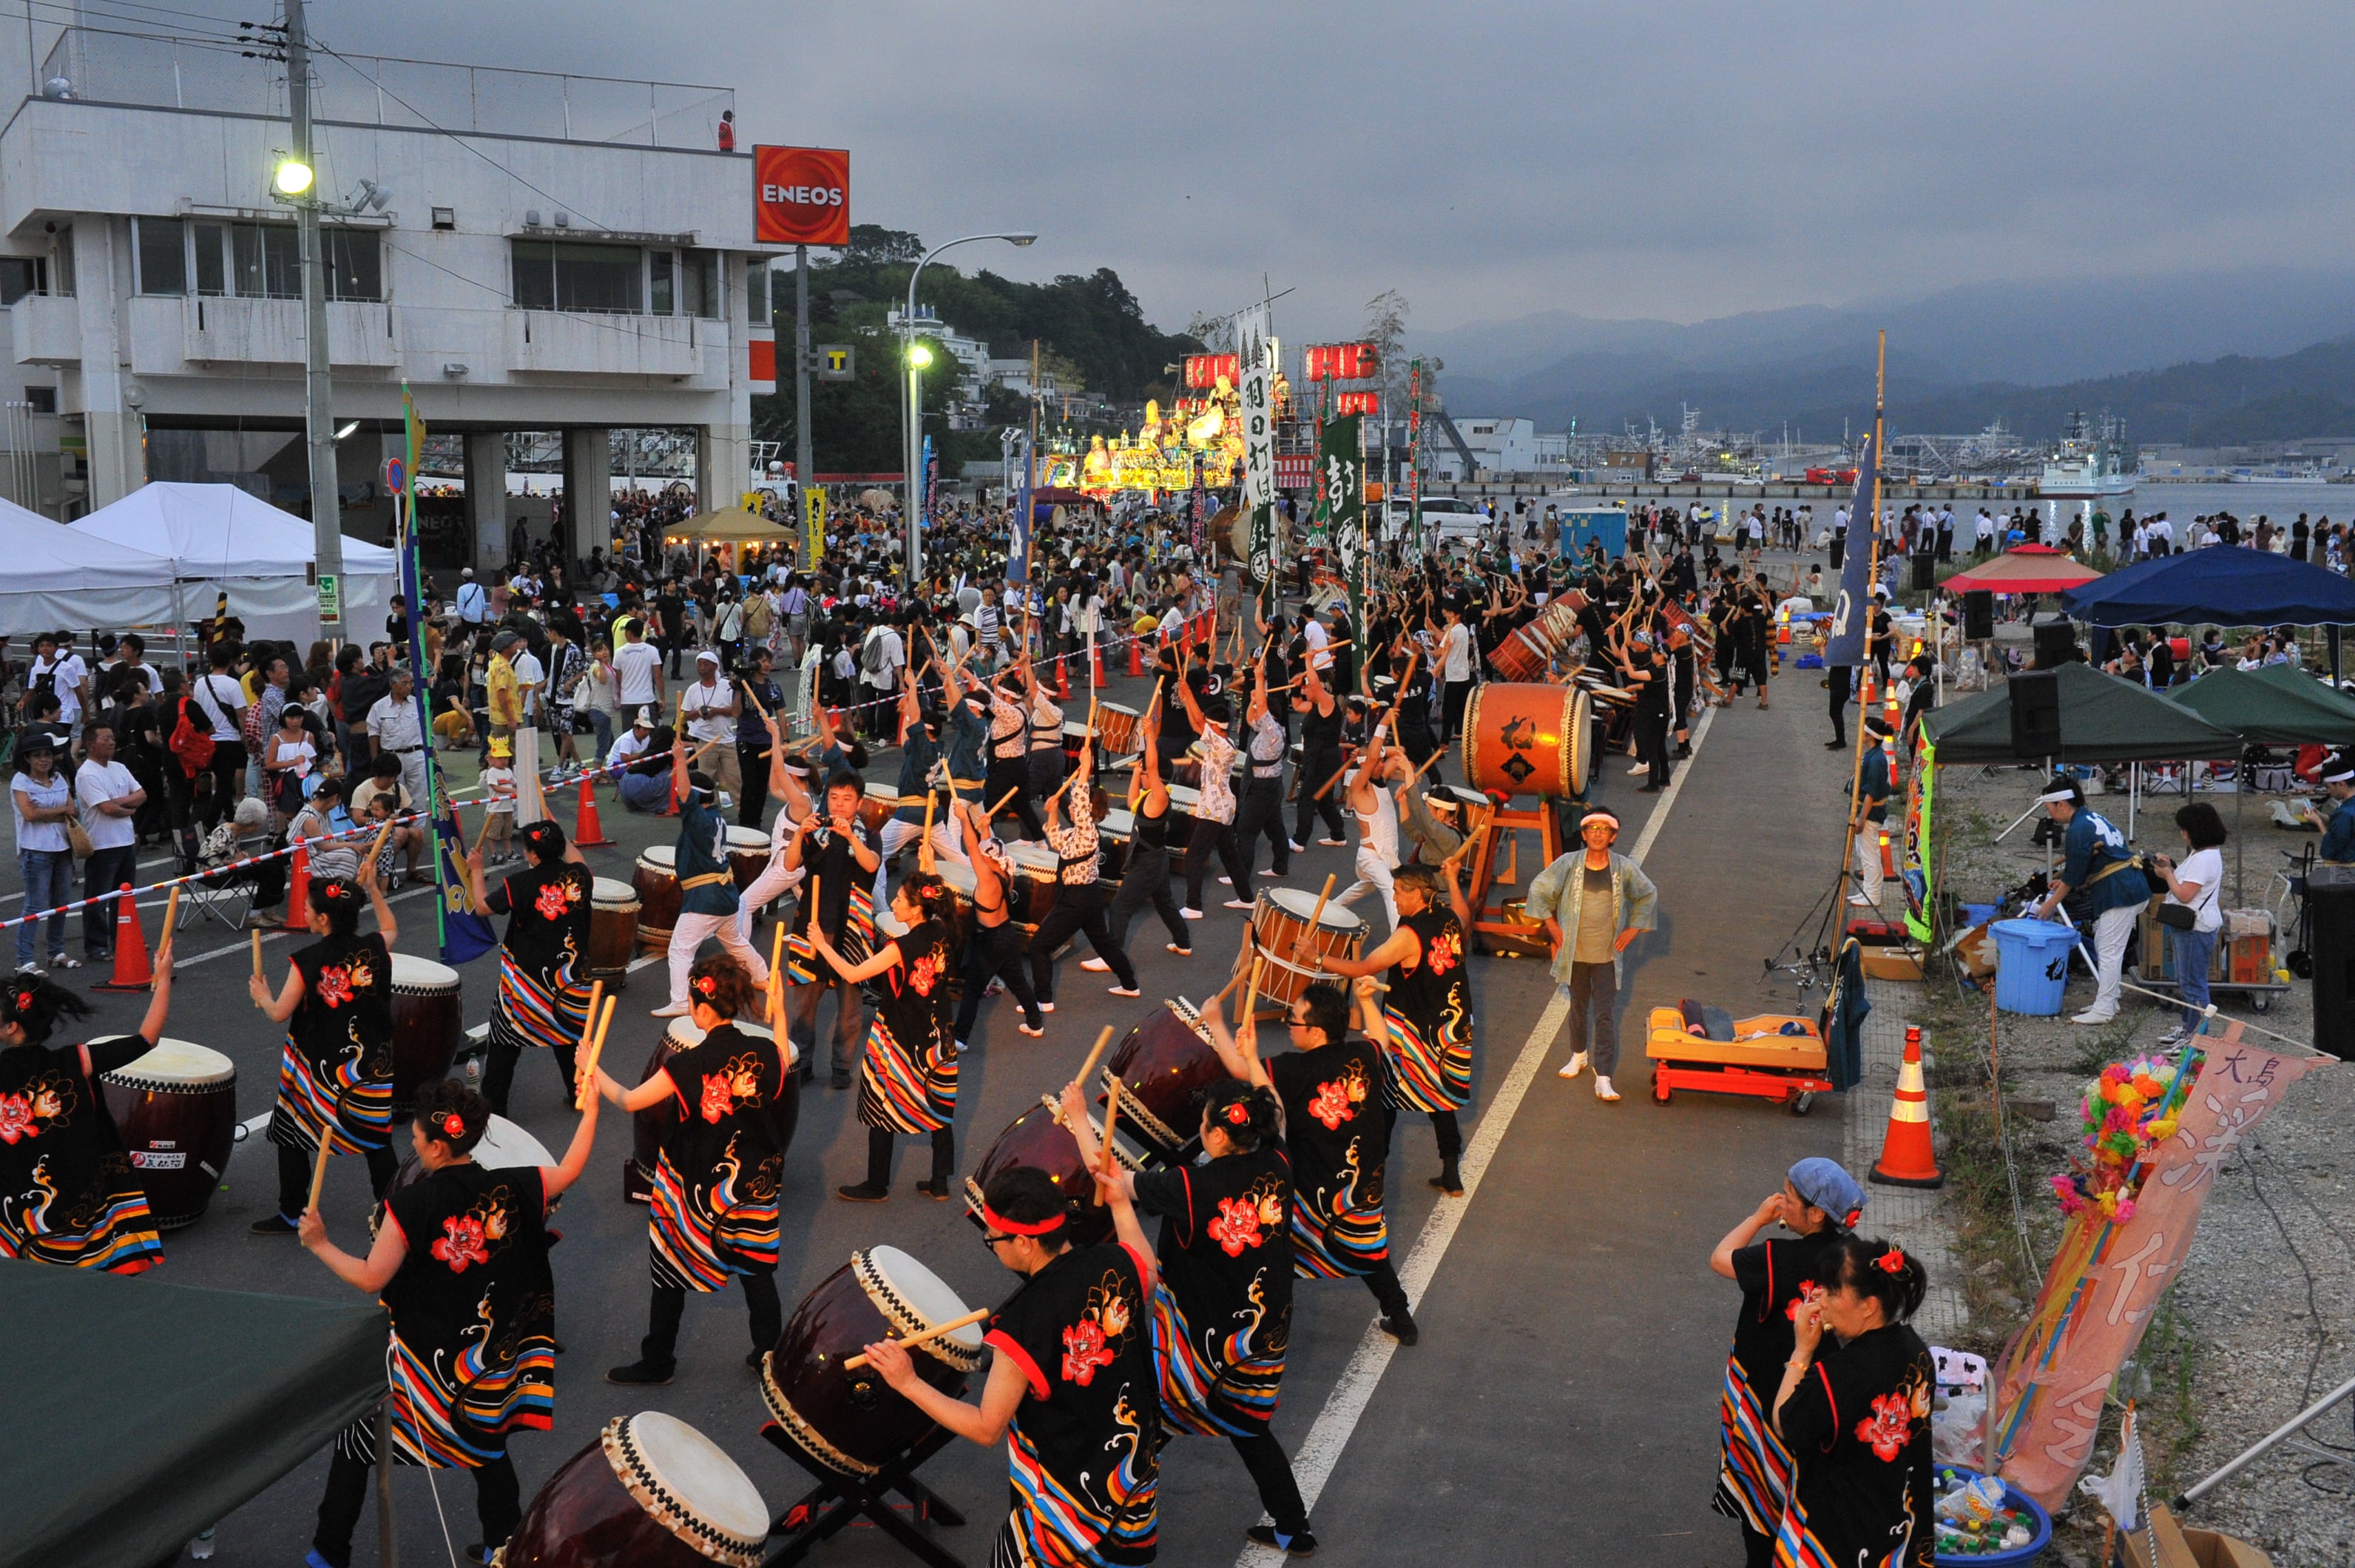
801	196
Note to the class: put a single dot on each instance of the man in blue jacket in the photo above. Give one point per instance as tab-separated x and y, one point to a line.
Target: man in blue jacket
2115	891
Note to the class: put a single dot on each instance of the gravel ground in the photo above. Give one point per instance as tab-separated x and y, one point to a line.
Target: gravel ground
2258	1327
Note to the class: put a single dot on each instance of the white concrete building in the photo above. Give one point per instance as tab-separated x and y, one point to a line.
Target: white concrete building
552	253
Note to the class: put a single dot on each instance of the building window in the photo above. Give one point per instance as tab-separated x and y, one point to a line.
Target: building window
41	400
265	262
64	261
354	264
609	278
259	260
756	291
162	253
699	285
661	271
22	275
210	243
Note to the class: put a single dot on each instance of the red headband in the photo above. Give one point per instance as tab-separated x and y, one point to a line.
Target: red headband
998	1221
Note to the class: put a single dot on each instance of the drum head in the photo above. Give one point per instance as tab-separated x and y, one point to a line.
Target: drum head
958	876
700	1484
1118	708
1580	741
1036	859
661	858
177	1062
1300	904
883	791
744	838
1118	822
918	1291
1459	793
1184	798
606	893
411	973
505	1146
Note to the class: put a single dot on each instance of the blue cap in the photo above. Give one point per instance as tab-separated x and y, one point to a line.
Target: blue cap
1824	1183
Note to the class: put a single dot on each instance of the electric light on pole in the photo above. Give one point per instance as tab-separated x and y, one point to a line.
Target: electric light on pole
912	419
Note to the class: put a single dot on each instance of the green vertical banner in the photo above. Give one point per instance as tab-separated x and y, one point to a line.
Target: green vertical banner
1341	475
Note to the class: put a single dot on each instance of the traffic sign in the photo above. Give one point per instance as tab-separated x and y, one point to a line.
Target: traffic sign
396	475
331	599
834	362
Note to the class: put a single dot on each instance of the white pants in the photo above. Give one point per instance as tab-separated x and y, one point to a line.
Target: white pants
688	935
774	881
530	806
2111	928
898	835
1867	862
1373	877
413	777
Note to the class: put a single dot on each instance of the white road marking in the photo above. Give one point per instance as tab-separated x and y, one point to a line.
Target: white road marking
1312	1466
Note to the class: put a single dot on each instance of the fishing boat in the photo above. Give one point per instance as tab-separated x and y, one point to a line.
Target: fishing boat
2090	463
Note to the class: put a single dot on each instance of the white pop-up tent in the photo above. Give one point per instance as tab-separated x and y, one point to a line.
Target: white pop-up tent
52	578
219	537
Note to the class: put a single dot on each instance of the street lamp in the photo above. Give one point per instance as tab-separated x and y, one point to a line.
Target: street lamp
912	418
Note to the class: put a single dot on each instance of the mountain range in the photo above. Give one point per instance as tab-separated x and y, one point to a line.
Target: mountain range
2244	354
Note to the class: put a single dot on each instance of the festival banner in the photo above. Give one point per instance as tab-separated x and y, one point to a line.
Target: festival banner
1414	456
1917	871
814	507
1018	547
1853	612
1198	506
931	480
2113	1264
412	578
1341	475
1256	391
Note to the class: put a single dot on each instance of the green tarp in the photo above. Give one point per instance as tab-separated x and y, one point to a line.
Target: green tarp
2275	706
2103	720
138	1414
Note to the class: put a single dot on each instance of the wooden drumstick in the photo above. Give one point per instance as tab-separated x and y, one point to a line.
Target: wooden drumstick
257	955
1000	806
1104	1163
588	1042
979	1313
1340	773
172	913
1094	1056
319	1171
596	1049
1251	991
1315	919
924	853
776	971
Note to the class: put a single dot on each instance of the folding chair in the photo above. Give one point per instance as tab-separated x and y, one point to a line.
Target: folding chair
226	896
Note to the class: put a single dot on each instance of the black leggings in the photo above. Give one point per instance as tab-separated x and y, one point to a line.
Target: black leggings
878	1155
661	1343
498	1505
1077	910
1316	766
1444	1129
294	1177
1271	1473
1210	835
995	951
1146	881
1012	774
499	1066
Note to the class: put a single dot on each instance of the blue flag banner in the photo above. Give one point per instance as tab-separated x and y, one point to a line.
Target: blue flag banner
1853	611
1017	543
465	936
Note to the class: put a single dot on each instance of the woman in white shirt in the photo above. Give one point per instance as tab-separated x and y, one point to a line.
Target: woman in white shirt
2193	884
287	757
42	800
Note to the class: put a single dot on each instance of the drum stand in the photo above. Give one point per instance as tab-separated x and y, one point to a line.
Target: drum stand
1497	934
840	1500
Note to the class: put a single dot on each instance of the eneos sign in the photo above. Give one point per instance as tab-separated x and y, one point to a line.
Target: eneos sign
801	196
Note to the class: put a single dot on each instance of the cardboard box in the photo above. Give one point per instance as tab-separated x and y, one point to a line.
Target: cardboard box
2181	1548
1891	963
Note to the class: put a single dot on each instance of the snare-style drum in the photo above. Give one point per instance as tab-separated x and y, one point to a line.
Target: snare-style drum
1039	882
612	931
1166	1066
852	1422
1521	656
1075	740
656	881
747	855
1037	1138
177	1107
650	1492
875	807
1279	925
428	1023
1527	739
649	1126
1455	805
1119	729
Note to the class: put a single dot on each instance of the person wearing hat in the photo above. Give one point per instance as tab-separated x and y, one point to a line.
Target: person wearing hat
643	786
2338	829
706	887
1868	812
502	696
1594	901
2109	874
708	706
1818	1202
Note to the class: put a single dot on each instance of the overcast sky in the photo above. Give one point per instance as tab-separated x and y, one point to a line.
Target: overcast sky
1671	159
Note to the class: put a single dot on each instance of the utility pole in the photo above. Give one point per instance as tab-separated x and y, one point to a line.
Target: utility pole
805	481
318	390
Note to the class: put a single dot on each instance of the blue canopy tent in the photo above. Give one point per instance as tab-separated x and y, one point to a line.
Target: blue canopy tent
2225	585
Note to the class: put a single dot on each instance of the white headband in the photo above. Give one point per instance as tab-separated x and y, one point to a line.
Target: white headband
2051	795
2341	778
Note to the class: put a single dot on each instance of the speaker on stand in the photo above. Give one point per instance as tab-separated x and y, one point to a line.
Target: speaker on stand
2330	942
1979	615
2035	714
2056	643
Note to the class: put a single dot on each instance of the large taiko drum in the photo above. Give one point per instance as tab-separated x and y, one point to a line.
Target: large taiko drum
655	878
747	855
1166	1067
1118	728
1528	740
1280	930
428	1023
650	1492
959	877
176	1108
852	1422
874	808
649	1126
612	931
1037	1138
1038	881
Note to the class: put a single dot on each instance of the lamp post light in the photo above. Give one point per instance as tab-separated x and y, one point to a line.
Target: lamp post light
912	421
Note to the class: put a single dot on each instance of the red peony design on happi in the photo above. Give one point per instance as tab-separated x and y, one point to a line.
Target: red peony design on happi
1447	953
924	973
1887	1427
1808	1291
1332	1105
1085	1349
462	1243
554	898
718	1096
335	986
16	1118
1237	1226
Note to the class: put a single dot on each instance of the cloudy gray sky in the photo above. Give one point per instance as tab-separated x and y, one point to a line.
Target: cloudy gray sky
1671	159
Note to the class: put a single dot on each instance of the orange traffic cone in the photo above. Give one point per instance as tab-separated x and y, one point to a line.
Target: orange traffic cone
1888	856
1062	680
298	892
586	829
1135	654
1095	663
133	972
1906	1158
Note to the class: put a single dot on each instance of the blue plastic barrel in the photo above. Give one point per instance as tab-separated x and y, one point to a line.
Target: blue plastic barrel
2032	966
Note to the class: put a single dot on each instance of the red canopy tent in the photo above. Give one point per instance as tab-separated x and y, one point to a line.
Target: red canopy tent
2024	569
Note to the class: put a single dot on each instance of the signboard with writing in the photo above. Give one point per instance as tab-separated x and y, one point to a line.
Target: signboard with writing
1341	361
1256	351
814	507
331	599
801	196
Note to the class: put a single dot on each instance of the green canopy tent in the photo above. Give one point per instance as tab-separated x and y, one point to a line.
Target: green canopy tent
140	1413
2103	720
2276	706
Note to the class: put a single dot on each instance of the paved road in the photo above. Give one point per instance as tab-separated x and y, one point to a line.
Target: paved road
1560	1405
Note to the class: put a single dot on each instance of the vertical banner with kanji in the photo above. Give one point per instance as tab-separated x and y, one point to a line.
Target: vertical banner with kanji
1414	456
1017	548
1341	475
1256	393
813	508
